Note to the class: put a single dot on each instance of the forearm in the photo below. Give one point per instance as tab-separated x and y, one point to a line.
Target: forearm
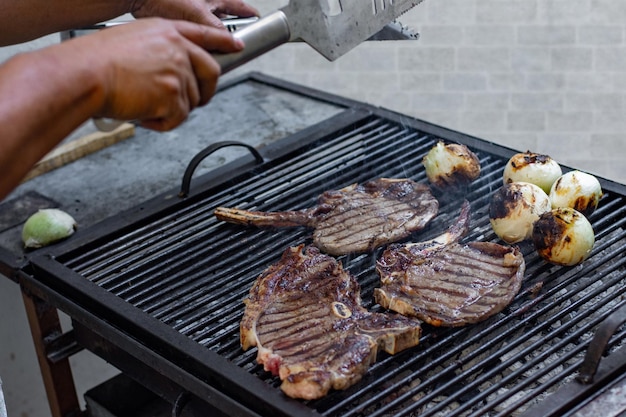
153	70
24	20
40	106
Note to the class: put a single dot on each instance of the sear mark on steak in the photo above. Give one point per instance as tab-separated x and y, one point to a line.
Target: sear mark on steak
446	283
304	314
355	219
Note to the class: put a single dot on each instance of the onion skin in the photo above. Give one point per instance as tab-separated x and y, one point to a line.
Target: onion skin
577	190
532	167
563	236
514	208
47	226
451	165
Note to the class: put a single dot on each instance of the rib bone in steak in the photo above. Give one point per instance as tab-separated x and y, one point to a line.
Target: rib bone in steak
304	314
446	283
358	218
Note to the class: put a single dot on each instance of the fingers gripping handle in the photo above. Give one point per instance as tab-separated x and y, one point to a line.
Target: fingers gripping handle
259	37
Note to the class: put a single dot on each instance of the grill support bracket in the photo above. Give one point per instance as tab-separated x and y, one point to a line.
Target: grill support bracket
55	370
599	343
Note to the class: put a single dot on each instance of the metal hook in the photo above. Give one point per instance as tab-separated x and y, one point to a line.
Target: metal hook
598	345
180	403
184	190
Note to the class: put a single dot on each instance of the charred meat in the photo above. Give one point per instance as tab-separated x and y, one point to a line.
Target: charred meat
304	314
355	219
446	283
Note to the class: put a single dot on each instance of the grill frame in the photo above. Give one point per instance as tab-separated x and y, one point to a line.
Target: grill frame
177	362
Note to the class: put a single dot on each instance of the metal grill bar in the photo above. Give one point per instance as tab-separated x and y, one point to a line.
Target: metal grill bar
178	234
487	341
191	272
302	176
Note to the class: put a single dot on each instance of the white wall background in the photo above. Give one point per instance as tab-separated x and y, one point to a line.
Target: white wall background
544	75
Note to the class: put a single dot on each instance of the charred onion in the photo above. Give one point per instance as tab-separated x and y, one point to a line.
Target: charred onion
563	236
514	208
534	168
577	190
451	165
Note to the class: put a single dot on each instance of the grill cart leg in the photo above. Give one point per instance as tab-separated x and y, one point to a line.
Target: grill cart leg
57	374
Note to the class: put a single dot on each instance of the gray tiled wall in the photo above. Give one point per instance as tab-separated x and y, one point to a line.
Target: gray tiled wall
545	75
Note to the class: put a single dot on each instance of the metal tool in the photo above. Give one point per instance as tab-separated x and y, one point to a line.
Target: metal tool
331	27
394	31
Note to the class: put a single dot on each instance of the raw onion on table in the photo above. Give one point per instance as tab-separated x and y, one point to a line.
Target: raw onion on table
47	226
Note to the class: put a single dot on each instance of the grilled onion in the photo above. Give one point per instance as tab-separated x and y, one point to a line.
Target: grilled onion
578	190
451	165
531	167
563	236
514	208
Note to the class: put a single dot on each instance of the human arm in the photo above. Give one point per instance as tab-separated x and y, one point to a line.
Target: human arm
152	70
25	20
206	12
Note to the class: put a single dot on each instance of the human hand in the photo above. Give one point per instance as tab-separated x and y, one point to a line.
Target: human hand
155	70
207	12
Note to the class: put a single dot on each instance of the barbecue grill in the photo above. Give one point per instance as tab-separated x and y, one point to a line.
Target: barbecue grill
158	290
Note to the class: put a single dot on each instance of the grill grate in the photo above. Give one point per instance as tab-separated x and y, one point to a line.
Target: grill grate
191	273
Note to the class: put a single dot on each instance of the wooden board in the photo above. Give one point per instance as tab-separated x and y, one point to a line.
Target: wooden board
78	148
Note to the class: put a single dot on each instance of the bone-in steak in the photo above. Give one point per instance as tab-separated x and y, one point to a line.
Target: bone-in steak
355	219
304	314
446	283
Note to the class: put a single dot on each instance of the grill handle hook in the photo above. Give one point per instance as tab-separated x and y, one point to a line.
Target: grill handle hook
598	344
184	189
180	403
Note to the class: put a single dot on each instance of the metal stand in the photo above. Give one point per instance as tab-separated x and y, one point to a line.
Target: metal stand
55	369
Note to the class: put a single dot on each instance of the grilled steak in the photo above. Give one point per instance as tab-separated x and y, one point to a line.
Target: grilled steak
446	283
304	314
358	218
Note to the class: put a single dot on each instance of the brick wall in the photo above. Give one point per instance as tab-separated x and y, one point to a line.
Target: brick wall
545	75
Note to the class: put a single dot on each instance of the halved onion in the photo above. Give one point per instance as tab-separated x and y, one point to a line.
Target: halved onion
578	190
451	165
563	236
514	208
534	168
47	226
